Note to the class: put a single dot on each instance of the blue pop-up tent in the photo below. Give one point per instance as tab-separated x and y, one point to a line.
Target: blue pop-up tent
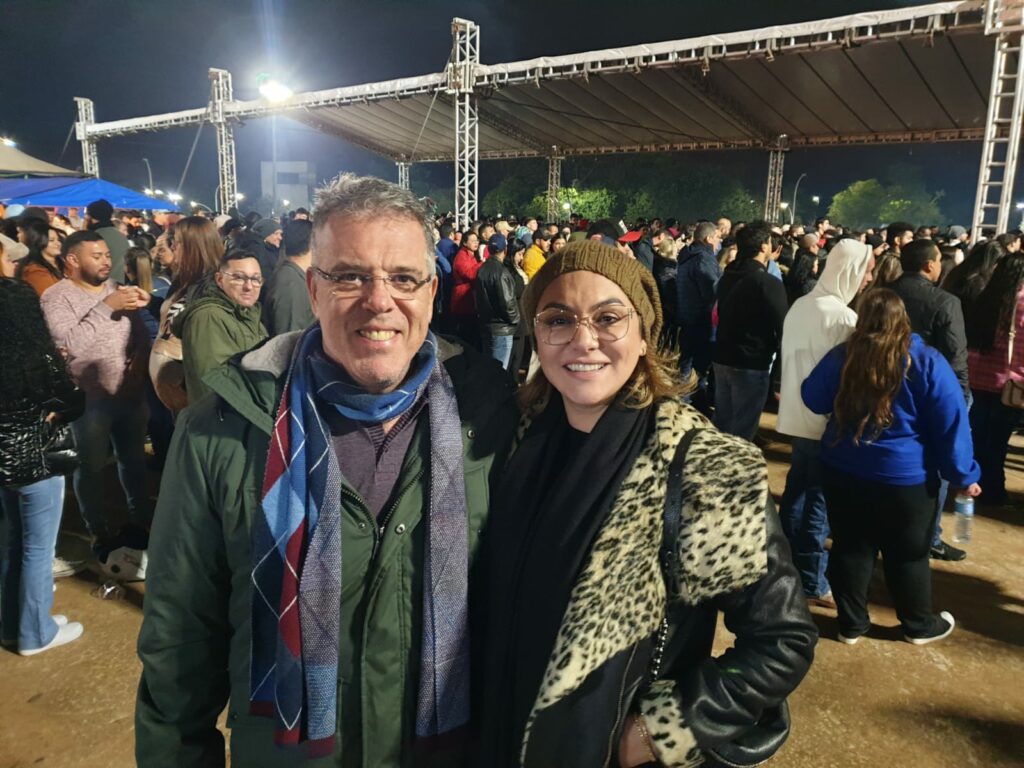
64	192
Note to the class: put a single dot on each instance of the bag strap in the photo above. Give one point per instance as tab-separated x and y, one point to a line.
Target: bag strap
669	554
672	517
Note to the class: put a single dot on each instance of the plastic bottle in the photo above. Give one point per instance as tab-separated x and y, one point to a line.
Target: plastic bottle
963	509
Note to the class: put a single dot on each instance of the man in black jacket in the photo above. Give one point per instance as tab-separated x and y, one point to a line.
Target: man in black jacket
751	307
938	318
496	305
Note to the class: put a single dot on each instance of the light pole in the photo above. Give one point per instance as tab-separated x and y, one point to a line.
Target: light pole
272	90
783	206
792	210
148	171
567	207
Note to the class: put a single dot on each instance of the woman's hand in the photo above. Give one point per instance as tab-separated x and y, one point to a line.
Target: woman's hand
634	749
971	490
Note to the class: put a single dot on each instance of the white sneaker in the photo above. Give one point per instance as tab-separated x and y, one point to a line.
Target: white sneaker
61	619
126	564
65	634
63	568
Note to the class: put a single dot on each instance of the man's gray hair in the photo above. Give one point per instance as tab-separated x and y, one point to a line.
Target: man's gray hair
367	197
704	230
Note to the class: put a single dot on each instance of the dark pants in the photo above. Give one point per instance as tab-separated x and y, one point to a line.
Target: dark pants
467	328
739	399
992	423
868	518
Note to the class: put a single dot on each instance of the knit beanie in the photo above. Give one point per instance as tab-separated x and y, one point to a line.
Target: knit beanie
630	275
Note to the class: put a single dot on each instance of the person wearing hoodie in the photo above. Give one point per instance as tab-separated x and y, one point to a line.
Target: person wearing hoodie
697	276
220	320
814	325
751	308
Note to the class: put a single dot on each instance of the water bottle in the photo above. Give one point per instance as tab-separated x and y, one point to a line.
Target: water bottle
963	509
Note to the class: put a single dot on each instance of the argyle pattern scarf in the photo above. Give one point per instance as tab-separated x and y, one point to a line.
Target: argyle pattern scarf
297	554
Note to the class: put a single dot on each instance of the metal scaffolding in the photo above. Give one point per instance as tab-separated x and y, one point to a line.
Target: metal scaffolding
773	195
403	174
1001	144
461	79
86	117
227	178
554	186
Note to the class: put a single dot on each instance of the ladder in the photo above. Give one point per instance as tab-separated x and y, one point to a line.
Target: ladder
1001	145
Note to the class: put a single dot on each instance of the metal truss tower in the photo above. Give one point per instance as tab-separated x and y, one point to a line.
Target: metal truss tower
461	79
773	195
221	95
403	174
86	117
554	187
1004	19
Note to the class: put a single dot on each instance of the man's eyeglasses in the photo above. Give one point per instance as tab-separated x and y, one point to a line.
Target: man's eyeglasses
558	327
240	278
400	285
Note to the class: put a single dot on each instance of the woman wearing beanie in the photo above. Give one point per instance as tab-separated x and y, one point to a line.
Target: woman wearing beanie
625	522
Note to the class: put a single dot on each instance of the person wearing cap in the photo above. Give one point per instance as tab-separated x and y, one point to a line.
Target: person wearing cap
264	240
641	247
497	309
577	670
98	219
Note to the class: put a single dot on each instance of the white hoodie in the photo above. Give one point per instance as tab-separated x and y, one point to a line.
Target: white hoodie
814	325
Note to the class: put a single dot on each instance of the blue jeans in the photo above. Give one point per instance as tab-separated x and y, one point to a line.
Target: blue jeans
740	394
106	422
804	516
498	347
32	518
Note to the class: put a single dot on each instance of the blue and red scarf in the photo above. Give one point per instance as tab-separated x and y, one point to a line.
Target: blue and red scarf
297	552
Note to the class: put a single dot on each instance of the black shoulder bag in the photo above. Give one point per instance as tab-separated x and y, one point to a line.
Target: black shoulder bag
763	739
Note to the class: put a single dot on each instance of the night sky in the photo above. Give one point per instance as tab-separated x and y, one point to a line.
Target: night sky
144	57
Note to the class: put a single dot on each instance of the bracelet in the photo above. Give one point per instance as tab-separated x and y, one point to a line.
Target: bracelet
638	721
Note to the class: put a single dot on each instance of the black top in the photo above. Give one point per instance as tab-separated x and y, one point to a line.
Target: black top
751	307
938	318
495	294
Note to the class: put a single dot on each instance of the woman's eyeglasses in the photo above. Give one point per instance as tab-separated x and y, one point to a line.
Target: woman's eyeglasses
558	327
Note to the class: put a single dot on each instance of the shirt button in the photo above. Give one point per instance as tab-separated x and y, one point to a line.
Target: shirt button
362	525
400	529
470	433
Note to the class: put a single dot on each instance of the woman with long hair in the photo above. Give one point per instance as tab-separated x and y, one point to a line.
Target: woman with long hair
520	357
465	266
41	268
607	568
887	270
36	395
197	249
898	416
968	279
990	321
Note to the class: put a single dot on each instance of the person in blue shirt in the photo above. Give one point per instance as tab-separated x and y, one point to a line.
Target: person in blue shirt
898	419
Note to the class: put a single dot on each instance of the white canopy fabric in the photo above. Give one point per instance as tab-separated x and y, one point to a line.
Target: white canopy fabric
14	162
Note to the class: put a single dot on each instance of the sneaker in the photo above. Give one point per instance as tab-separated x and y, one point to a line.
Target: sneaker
65	634
849	639
63	568
823	601
944	551
61	619
125	564
944	629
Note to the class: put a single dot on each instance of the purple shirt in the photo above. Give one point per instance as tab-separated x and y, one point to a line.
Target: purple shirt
100	345
370	459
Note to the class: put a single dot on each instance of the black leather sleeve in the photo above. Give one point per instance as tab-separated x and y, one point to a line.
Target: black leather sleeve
724	697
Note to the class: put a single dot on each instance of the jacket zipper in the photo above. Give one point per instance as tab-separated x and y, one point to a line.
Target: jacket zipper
378	533
620	713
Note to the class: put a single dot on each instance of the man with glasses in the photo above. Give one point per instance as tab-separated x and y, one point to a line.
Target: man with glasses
220	320
316	535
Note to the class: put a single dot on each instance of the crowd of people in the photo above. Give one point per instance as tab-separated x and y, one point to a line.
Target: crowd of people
443	496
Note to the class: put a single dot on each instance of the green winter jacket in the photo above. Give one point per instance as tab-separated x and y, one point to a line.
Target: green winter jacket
213	329
194	642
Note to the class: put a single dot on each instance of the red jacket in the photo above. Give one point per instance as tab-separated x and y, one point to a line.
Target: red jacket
464	270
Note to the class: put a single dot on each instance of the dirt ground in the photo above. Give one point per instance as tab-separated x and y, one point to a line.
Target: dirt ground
883	702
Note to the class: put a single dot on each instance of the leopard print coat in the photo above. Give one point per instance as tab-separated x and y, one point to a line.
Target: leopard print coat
620	596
